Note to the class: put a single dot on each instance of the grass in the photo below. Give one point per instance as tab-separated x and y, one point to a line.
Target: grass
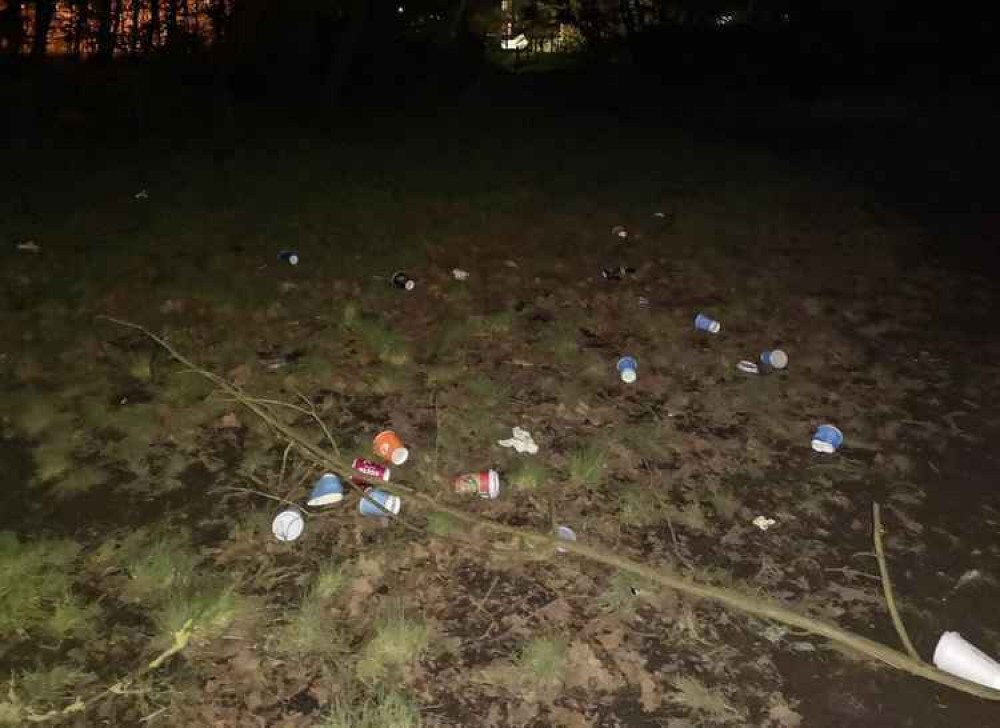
35	584
638	506
620	597
699	699
212	606
529	475
156	563
587	467
53	459
382	710
441	524
542	664
398	642
314	630
79	479
54	684
36	412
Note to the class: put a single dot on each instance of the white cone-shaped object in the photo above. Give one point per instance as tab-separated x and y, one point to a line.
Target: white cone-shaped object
958	657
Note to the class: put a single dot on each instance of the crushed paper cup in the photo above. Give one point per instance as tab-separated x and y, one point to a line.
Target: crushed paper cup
763	522
827	439
522	442
776	359
628	369
704	323
388	501
748	367
565	533
956	656
460	275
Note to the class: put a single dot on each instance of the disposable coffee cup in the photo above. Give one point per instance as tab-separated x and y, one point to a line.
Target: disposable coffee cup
827	439
619	231
388	446
288	525
326	491
628	369
387	500
401	280
776	359
748	367
485	484
704	323
956	656
289	256
565	533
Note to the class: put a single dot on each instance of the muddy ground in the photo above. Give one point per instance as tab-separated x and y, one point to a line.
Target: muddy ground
133	495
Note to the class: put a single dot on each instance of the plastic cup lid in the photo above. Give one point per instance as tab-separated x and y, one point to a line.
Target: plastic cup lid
288	525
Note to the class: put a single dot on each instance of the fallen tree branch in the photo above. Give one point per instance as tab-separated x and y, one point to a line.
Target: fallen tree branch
730	598
890	600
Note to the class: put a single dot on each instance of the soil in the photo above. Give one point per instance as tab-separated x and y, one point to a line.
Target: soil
884	310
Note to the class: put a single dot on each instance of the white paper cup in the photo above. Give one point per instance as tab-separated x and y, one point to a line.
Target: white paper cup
956	656
288	525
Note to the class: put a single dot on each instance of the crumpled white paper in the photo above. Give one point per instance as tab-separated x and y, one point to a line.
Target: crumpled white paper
763	522
521	441
460	275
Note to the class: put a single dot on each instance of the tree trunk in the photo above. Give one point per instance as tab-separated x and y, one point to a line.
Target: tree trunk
11	30
347	45
80	20
105	32
171	22
134	30
44	10
153	29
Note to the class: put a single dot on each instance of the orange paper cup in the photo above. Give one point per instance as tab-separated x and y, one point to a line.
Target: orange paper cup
389	447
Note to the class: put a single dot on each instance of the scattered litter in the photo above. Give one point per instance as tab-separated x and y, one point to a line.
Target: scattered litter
371	469
485	484
643	302
389	447
401	280
617	274
510	264
628	369
747	367
521	441
141	195
29	246
636	591
388	501
958	657
288	525
565	533
776	359
827	439
619	231
279	361
704	323
967	578
326	491
289	256
763	522
460	275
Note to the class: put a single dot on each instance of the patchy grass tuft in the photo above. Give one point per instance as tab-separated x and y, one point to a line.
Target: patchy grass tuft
699	699
529	475
383	710
35	580
588	467
398	641
543	662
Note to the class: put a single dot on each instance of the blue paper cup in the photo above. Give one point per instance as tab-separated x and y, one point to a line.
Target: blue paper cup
628	369
776	359
827	439
387	500
565	533
326	491
704	323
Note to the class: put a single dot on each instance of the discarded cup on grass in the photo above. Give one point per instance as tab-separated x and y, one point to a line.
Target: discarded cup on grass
401	280
958	657
704	323
371	468
460	275
619	231
388	446
326	491
485	484
565	533
289	256
643	302
388	501
288	525
776	359
827	439
748	367
628	369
